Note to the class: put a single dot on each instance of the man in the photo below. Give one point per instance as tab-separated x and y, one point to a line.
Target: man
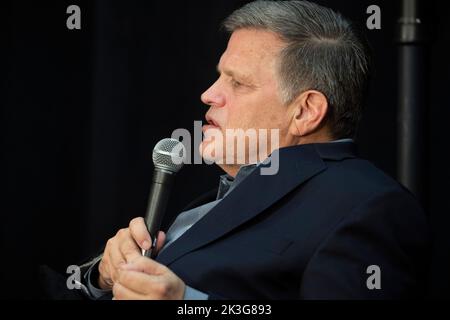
328	225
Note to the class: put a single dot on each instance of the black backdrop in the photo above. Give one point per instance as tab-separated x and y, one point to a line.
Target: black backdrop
82	110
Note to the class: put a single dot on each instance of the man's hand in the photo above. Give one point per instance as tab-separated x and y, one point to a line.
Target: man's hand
125	247
146	279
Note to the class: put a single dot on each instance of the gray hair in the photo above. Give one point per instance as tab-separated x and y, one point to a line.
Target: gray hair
323	52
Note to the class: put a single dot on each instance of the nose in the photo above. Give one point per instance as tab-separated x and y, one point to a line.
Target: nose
213	96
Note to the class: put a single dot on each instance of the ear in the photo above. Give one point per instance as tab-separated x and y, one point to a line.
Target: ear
310	110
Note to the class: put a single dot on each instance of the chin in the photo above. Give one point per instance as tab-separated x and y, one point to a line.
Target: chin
207	151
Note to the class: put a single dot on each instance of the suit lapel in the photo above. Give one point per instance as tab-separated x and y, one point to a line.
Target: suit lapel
250	198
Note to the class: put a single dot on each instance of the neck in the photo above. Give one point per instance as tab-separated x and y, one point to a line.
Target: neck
321	136
231	170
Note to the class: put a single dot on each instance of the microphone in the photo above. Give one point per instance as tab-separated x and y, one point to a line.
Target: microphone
168	158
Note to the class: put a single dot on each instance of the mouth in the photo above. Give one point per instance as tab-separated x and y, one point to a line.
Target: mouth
212	124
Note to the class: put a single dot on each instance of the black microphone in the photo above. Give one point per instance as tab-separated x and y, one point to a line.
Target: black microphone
168	158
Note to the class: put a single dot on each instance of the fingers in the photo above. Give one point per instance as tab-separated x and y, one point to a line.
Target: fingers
104	281
112	259
139	282
122	293
140	234
119	250
125	247
116	258
149	279
146	265
129	249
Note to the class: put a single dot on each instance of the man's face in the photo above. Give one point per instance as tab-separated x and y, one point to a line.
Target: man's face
246	94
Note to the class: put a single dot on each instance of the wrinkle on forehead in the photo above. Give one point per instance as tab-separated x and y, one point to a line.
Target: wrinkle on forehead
252	53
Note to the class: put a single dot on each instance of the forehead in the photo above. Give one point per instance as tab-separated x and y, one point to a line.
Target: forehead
251	50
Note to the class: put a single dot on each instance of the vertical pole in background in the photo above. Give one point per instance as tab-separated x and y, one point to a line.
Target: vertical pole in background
412	92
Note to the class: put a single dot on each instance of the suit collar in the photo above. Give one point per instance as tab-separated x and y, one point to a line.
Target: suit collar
257	193
336	151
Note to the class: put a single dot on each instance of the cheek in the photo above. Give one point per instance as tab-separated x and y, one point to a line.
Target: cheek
258	110
244	113
239	118
263	116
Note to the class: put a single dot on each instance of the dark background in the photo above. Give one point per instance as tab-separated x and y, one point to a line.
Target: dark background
82	109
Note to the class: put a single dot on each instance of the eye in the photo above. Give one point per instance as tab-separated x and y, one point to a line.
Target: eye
235	84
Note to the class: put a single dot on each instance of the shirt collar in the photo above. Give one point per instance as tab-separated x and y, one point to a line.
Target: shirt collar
228	183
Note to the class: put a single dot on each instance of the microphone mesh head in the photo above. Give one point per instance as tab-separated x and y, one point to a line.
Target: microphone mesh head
169	155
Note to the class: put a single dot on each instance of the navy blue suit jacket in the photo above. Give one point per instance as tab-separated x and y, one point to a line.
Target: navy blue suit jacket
309	232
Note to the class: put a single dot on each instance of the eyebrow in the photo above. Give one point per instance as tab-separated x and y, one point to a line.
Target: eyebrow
233	74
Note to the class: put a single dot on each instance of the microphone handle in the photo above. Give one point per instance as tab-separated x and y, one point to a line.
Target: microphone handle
159	194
